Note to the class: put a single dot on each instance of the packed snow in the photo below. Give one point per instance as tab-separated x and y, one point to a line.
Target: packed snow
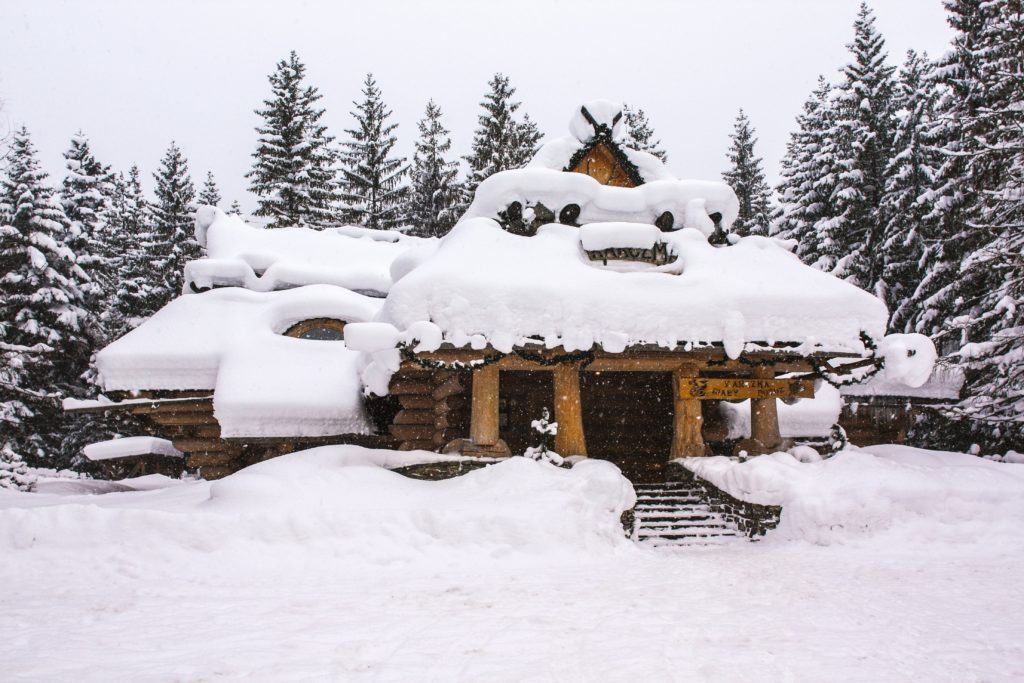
263	260
321	565
131	446
514	290
806	417
944	384
232	341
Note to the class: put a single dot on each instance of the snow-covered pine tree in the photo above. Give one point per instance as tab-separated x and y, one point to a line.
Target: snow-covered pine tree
85	197
639	134
236	208
525	141
988	296
293	173
499	141
434	185
863	134
373	194
43	322
909	175
140	288
209	195
174	242
14	473
808	177
746	177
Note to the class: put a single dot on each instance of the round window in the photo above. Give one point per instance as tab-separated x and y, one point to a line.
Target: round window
318	329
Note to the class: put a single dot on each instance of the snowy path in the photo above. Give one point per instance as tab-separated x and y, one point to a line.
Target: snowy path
767	612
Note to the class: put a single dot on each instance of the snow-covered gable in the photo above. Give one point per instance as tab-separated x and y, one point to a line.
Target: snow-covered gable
564	285
264	260
231	341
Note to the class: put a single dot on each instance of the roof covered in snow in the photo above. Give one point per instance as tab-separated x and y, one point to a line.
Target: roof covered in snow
131	446
232	341
263	260
606	275
944	384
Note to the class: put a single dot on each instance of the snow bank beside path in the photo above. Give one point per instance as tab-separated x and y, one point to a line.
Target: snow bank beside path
332	500
910	492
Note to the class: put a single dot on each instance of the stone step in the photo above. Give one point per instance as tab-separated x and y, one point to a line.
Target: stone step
673	500
683	523
713	541
688	531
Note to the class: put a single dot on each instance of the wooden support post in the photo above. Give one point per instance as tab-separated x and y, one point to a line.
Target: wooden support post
764	420
570	439
687	439
483	421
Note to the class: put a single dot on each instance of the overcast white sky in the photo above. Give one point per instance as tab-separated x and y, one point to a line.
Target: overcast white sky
135	75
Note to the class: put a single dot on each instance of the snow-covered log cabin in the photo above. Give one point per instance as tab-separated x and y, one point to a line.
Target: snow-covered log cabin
591	282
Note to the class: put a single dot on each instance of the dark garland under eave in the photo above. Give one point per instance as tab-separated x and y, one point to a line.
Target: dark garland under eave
603	134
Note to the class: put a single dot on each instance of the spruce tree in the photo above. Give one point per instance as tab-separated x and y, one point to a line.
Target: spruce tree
172	220
987	297
639	134
43	323
209	195
500	142
909	175
809	177
85	197
864	126
236	208
433	191
373	193
140	285
293	172
746	177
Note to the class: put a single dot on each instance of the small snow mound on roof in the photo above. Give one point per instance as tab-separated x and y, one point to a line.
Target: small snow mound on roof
944	384
602	203
131	446
593	114
264	259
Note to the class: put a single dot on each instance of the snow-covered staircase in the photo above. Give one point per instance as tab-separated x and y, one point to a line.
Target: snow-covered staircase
678	514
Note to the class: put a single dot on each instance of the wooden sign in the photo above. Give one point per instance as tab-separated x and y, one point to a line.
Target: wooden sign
658	255
733	389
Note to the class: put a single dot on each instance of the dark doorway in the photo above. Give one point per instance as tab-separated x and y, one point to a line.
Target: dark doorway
627	418
523	395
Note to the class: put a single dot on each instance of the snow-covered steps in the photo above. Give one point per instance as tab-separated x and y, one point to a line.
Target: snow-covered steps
678	514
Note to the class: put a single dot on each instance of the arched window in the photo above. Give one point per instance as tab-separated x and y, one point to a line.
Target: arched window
318	329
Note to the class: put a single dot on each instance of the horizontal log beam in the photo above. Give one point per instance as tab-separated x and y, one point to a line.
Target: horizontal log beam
412	432
403	386
417	402
414	417
417	445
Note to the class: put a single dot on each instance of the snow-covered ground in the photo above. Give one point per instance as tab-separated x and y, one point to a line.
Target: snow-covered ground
323	566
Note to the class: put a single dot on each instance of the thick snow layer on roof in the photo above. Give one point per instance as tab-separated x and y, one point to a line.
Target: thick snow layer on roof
512	289
264	259
601	203
131	446
231	341
808	417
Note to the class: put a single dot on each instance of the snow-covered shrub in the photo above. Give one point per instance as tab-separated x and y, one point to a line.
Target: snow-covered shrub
14	473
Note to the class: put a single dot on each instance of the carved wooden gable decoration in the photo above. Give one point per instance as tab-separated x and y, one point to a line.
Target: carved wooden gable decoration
602	159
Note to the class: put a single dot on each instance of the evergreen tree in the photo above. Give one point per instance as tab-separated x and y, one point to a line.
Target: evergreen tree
85	196
639	134
809	177
909	175
525	142
500	142
14	473
209	195
174	241
293	173
236	208
746	177
987	298
43	323
433	191
373	192
863	134
140	285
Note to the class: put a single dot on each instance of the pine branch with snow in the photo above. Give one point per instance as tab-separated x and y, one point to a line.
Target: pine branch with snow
434	179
